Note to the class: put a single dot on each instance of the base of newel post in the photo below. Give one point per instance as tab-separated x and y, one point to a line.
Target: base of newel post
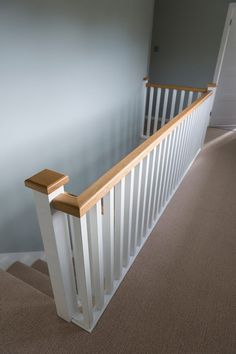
54	229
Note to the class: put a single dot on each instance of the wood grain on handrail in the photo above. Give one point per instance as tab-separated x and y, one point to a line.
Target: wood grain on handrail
79	205
46	181
175	87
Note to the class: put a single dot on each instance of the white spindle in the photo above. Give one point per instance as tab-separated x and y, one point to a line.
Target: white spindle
166	166
190	97
108	240
199	95
170	165
152	172
157	179
129	194
173	102
82	269
166	95
157	111
180	156
144	196
163	158
96	239
176	157
119	227
182	168
136	235
181	103
150	106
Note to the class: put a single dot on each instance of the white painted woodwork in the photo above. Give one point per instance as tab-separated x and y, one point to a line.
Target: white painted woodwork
137	202
108	240
166	95
181	103
119	228
56	240
96	243
150	107
82	260
173	103
144	196
157	111
129	195
162	105
89	256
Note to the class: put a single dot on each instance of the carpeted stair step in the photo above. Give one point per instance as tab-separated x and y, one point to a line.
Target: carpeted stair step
32	277
41	266
27	317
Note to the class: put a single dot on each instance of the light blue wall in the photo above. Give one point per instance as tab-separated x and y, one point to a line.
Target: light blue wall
188	33
71	75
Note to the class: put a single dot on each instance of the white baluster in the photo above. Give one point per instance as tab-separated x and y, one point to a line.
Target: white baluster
170	165
176	158
150	106
144	196
190	97
181	103
199	95
96	239
182	140
108	240
165	107
157	179
151	182
157	111
82	269
129	193
167	162
136	235
162	166
173	103
119	227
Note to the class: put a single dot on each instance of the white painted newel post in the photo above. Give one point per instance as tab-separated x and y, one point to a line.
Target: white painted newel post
54	229
143	109
212	88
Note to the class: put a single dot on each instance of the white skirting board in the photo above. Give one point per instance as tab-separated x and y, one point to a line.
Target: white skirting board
28	258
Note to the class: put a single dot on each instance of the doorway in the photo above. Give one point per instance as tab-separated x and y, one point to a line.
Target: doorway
224	109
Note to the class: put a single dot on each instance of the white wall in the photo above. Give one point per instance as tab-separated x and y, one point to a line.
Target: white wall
70	76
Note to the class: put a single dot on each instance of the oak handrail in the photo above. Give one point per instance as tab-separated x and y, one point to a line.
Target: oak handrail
176	87
80	205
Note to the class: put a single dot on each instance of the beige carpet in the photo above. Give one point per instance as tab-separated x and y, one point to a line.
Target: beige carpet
179	296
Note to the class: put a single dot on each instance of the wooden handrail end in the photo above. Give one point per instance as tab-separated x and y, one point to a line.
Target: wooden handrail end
68	203
46	181
212	85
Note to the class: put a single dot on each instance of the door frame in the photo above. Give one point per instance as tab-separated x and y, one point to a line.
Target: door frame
224	41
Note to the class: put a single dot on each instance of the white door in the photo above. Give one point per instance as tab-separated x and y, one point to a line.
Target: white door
224	109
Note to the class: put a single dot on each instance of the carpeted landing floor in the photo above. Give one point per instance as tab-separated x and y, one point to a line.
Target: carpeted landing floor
179	296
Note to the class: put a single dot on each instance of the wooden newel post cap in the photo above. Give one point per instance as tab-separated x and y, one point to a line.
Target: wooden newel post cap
46	181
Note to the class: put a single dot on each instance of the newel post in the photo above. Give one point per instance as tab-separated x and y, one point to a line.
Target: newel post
46	185
212	87
143	108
